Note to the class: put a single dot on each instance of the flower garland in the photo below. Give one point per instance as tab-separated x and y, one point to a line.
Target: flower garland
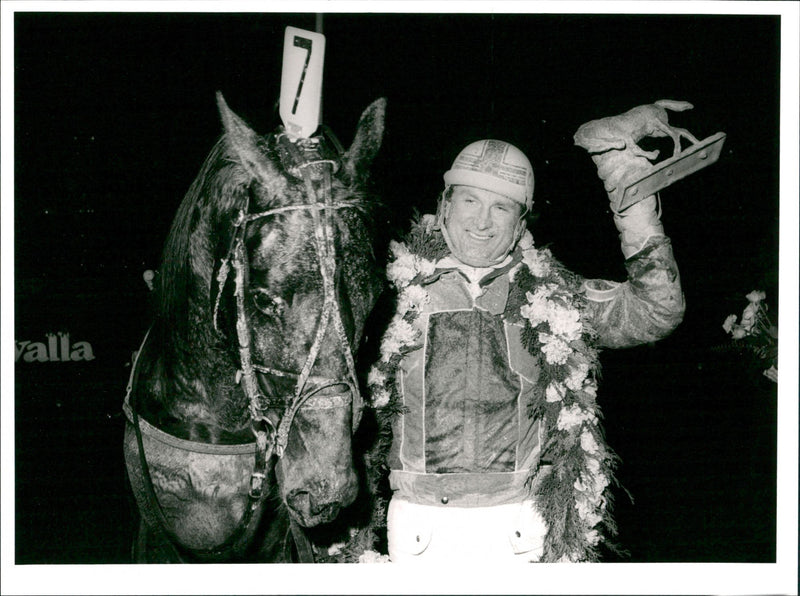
572	495
404	272
756	332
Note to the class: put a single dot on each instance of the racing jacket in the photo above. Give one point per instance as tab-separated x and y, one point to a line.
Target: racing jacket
464	436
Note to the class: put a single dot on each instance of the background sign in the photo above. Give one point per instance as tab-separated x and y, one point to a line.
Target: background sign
301	81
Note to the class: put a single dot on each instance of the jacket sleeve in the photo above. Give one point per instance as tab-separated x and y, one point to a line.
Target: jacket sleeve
645	308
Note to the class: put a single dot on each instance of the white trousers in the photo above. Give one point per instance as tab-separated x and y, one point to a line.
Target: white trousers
430	534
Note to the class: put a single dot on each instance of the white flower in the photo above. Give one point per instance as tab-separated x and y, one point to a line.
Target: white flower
556	350
588	512
389	347
428	221
380	397
375	376
335	549
370	556
592	537
425	266
749	316
590	488
406	266
756	296
404	331
533	311
572	417
729	323
565	322
590	387
592	464
601	482
554	392
588	442
412	298
739	332
399	250
536	308
577	375
536	262
399	334
401	270
546	290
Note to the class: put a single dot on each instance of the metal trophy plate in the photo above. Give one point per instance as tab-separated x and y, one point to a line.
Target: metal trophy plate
663	174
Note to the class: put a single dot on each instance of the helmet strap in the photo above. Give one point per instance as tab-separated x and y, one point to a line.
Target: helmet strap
442	210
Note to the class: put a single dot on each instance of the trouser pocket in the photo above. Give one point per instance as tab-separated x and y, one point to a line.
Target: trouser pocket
409	530
528	532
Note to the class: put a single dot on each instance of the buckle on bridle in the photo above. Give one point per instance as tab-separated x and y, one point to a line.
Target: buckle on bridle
257	484
297	153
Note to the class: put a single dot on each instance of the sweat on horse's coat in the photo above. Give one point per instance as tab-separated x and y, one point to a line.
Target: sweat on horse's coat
257	263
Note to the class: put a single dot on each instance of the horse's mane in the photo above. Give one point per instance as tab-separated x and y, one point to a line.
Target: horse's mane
220	184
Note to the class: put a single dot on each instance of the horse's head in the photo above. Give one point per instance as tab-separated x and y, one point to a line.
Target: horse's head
293	284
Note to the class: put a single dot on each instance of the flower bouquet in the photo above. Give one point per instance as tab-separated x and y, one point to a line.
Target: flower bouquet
756	332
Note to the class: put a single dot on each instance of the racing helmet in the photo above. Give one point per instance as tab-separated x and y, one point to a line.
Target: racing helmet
496	166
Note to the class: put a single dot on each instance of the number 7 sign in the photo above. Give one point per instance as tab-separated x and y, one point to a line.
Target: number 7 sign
301	81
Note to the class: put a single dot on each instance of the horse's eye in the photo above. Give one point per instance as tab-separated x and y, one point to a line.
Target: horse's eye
269	305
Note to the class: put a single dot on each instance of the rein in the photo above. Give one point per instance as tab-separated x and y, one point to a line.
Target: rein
269	438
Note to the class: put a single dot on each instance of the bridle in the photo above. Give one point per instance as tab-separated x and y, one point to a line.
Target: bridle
302	156
310	159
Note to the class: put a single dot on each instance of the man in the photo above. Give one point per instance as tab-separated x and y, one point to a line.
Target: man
489	366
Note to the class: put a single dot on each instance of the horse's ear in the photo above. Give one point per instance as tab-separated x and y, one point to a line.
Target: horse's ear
243	142
367	141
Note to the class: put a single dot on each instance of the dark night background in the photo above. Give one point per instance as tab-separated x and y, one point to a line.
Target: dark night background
114	114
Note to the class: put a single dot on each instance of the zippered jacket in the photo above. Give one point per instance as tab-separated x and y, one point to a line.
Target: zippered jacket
465	437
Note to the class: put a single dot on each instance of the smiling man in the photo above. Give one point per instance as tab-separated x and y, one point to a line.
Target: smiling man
488	191
490	368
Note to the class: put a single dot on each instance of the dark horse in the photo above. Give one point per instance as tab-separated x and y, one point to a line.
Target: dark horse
244	397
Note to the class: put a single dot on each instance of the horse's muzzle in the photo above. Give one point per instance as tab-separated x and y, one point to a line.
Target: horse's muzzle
316	472
316	504
310	512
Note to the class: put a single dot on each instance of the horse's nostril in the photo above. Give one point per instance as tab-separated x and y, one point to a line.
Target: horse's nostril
299	501
325	511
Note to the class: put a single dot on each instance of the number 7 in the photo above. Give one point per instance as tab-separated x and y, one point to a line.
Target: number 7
304	43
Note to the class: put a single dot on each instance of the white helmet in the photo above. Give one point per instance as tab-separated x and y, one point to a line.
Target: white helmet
496	166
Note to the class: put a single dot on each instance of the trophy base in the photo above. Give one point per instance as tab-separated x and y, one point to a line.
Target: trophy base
669	171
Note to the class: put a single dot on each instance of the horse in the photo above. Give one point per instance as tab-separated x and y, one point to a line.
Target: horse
243	398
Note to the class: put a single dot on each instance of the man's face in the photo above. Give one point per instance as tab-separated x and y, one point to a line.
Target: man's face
481	225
